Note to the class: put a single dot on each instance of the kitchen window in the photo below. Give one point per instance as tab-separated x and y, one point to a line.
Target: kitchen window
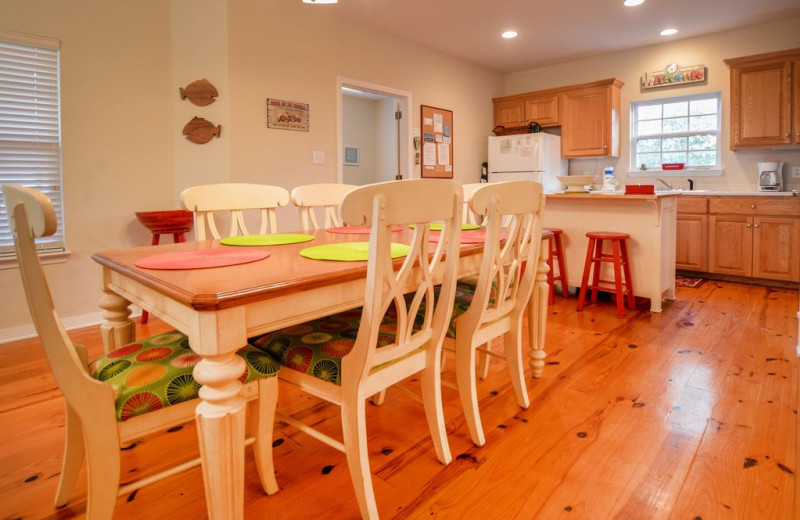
684	130
30	129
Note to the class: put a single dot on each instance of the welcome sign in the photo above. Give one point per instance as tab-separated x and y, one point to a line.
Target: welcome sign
673	75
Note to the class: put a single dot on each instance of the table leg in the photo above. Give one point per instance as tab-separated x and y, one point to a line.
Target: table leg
117	330
537	316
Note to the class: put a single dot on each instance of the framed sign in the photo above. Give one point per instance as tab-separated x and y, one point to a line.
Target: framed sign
437	142
287	115
351	156
673	75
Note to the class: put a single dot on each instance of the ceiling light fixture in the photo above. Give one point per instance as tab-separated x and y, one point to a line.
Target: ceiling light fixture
632	3
320	1
509	34
668	32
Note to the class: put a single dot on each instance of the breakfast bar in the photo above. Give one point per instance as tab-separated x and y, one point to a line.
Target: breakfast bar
649	219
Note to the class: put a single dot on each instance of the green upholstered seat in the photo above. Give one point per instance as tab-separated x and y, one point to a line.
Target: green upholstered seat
156	372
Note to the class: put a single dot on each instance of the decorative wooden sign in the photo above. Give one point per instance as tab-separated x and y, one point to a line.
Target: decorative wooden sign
200	131
287	115
200	92
673	75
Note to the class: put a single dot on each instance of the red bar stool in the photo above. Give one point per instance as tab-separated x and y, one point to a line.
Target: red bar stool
619	257
553	236
172	222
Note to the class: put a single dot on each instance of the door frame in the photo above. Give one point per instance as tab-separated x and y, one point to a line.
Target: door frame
405	151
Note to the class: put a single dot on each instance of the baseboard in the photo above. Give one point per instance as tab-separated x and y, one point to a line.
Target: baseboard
71	323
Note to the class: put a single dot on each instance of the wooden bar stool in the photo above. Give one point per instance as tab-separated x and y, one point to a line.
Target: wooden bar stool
553	236
619	257
176	222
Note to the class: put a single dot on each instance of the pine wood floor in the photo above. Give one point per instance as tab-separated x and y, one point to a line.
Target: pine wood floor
687	414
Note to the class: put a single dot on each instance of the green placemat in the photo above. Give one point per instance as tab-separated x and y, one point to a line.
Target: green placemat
349	251
438	227
275	239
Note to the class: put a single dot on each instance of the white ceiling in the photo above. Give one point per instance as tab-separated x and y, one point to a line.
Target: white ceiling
554	30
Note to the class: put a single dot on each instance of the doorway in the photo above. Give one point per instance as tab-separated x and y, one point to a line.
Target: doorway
374	133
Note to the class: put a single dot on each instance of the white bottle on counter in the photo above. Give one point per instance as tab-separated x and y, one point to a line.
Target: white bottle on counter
609	182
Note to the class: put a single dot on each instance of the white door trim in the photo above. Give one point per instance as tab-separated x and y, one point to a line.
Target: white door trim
403	97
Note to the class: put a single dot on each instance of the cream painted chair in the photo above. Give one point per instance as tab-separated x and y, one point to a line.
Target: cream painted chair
233	199
495	305
139	389
328	359
469	189
328	196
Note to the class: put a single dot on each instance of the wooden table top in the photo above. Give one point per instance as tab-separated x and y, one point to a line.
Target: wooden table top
285	271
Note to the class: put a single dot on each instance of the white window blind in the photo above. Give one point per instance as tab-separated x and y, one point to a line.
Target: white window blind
30	130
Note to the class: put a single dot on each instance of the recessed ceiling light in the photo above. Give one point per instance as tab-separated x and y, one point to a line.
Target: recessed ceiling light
631	3
320	1
668	32
509	34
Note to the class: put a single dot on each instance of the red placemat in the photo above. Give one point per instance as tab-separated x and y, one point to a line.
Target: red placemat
357	230
467	237
201	258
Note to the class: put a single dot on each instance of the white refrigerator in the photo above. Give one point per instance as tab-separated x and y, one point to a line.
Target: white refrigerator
527	156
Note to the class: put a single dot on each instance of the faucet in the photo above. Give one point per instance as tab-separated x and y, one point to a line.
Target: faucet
691	184
669	187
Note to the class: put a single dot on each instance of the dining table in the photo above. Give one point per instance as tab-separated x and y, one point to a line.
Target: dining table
219	308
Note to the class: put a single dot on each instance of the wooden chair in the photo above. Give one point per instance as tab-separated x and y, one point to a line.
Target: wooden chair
234	199
496	304
327	196
469	189
393	342
118	397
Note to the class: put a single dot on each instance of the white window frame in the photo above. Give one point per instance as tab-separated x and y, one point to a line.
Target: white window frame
636	171
30	132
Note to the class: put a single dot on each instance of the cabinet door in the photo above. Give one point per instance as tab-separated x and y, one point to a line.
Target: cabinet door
691	242
761	105
509	113
585	123
542	109
731	244
797	102
776	248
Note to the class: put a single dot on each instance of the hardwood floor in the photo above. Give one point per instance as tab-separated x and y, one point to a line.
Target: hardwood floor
687	414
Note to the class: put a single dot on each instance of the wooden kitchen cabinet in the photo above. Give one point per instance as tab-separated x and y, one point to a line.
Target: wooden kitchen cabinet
755	237
765	100
542	109
590	121
509	112
691	234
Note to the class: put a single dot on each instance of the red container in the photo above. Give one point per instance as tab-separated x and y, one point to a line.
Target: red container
672	166
639	189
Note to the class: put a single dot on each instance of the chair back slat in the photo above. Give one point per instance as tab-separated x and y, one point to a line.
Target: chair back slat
327	196
232	200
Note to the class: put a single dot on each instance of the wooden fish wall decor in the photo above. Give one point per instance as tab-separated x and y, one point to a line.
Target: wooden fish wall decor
200	131
200	92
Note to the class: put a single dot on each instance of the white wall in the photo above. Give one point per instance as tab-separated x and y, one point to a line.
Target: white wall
121	66
358	129
629	66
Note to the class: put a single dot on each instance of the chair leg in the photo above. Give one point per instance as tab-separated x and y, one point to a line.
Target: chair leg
74	452
550	274
261	421
513	353
483	361
467	391
587	266
103	467
618	279
626	268
431	382
355	446
379	398
598	266
562	266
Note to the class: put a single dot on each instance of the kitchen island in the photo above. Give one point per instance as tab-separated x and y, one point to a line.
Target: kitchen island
649	219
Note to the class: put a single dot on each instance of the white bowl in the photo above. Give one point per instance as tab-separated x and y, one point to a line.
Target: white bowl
576	183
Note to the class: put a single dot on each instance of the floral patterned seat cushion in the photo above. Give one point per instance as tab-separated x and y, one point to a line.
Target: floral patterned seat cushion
156	372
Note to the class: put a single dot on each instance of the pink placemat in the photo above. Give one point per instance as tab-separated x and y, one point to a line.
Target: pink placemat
202	258
357	230
467	237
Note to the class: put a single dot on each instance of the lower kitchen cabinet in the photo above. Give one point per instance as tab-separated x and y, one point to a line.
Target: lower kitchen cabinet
731	245
691	246
776	248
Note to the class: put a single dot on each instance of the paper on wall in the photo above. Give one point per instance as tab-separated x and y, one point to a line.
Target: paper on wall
444	153
427	121
429	153
438	123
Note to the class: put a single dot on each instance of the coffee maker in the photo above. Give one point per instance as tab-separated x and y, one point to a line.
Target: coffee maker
770	176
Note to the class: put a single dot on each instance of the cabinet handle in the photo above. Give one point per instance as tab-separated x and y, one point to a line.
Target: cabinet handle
787	134
756	225
752	206
748	225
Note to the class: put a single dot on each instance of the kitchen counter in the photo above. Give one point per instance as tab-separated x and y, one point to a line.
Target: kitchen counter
756	193
649	219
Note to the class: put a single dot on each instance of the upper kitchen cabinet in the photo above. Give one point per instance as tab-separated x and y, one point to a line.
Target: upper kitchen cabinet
588	115
765	100
590	120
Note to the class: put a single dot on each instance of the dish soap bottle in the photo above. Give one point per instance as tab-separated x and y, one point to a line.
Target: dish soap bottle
609	182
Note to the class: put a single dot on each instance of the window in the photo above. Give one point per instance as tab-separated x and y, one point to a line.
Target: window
676	130
30	128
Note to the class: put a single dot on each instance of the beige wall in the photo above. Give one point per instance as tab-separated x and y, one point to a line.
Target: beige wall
358	130
629	66
122	64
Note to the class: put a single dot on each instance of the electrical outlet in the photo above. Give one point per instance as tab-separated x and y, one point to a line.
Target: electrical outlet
317	157
796	171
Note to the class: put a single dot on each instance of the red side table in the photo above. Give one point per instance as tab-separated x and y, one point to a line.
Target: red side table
176	222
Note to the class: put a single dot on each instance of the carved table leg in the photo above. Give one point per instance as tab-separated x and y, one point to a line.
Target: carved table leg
537	316
117	330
